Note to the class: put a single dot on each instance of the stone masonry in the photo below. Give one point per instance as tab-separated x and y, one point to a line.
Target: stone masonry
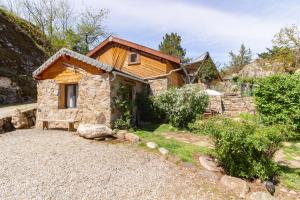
234	104
158	85
95	103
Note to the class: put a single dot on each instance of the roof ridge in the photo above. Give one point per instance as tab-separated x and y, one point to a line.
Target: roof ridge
133	45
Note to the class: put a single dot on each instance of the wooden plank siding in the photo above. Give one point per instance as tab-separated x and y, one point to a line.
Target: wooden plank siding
61	74
117	56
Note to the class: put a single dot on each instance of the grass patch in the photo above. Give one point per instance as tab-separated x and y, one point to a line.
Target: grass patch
290	177
184	151
291	151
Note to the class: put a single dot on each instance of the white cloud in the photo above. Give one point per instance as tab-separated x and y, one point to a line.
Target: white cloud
195	22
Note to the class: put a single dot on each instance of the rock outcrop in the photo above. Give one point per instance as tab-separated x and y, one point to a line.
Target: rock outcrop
22	49
19	120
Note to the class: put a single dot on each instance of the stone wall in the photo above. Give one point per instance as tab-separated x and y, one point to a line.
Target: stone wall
231	104
158	85
215	104
234	104
93	103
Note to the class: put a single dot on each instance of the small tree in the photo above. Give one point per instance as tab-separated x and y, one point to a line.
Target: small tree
238	61
289	37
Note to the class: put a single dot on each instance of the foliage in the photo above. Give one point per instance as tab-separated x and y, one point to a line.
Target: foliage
282	55
184	151
181	105
171	45
238	61
124	105
244	148
289	38
207	70
56	20
277	100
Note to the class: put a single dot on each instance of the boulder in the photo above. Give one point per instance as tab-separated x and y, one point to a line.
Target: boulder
237	185
209	164
260	196
131	137
163	151
91	131
120	134
151	145
19	120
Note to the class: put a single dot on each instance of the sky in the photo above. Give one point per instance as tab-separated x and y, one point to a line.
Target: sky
216	26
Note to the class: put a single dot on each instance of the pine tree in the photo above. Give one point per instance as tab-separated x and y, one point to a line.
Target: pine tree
171	45
238	61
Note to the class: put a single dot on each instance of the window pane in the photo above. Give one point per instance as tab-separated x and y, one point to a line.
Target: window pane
71	95
133	57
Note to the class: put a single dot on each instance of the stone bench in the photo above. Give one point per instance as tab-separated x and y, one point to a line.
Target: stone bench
70	123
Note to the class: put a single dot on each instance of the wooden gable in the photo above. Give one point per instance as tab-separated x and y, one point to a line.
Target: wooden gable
117	55
68	70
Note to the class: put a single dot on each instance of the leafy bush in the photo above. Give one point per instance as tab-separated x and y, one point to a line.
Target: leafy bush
244	149
277	100
181	105
124	105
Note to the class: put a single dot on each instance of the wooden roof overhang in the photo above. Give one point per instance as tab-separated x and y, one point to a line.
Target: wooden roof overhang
90	61
66	52
131	45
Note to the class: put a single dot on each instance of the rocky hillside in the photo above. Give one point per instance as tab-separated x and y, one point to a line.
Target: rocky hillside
262	68
23	48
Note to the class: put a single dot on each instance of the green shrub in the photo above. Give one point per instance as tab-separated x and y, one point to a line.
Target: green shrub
181	105
244	149
277	100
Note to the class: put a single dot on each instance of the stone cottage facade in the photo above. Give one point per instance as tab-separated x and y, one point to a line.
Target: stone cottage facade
94	102
82	88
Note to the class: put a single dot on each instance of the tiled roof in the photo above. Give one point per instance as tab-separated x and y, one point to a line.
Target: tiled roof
114	39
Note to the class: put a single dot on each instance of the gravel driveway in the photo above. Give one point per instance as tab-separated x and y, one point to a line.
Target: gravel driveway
53	164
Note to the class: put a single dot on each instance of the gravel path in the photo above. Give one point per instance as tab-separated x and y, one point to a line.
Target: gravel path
53	164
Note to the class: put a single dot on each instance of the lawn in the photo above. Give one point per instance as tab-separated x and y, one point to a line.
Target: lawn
290	177
184	151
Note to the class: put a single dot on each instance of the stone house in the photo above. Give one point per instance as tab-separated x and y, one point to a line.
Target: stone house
72	86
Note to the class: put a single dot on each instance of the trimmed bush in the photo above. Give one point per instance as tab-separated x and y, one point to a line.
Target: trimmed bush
243	148
277	100
182	105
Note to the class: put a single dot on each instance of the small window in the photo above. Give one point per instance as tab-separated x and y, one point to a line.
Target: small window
71	94
133	58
